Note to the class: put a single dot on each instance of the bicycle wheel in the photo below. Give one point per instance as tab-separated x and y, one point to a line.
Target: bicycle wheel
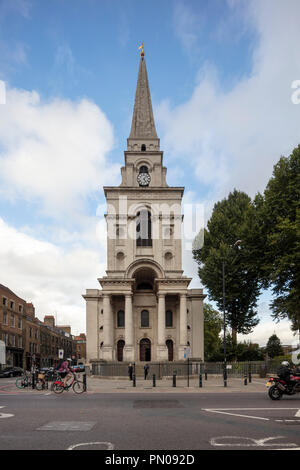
21	382
57	388
39	386
78	387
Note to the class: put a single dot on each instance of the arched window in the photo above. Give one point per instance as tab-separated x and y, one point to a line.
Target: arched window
143	148
143	169
169	318
143	228
144	319
121	319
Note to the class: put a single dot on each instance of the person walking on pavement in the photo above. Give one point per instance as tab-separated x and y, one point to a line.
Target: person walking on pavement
146	370
130	371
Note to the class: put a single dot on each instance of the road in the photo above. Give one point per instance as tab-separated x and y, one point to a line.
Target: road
143	421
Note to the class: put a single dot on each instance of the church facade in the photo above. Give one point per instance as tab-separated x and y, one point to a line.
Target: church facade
144	310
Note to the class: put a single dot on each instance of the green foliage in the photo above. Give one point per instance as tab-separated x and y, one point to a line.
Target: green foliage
232	219
279	213
240	352
212	327
273	347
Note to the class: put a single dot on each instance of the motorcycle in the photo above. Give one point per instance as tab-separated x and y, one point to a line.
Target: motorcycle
279	387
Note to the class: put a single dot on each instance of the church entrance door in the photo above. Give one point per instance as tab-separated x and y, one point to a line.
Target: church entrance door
120	347
145	350
169	344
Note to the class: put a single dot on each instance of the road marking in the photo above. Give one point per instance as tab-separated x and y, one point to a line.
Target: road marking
5	415
297	415
236	414
226	411
67	426
109	445
249	442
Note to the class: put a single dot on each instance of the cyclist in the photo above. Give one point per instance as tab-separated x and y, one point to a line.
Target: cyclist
66	371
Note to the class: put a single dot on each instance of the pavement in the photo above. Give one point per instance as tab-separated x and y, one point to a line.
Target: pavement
213	384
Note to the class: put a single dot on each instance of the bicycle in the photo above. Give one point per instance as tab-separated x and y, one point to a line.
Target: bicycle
41	381
24	381
78	386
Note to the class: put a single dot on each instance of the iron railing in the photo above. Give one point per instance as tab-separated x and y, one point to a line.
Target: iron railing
184	368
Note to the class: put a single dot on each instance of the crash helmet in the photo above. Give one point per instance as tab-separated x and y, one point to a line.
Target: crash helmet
285	363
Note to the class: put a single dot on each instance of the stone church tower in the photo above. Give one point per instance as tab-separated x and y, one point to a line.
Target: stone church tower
144	311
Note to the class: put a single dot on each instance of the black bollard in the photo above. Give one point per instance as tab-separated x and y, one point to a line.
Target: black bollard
33	380
200	380
205	375
174	379
133	380
245	380
84	382
250	378
154	381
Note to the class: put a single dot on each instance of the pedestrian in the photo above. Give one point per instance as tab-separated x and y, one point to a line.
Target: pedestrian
146	370
130	371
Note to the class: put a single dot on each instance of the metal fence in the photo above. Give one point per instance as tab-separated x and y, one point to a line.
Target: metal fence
184	369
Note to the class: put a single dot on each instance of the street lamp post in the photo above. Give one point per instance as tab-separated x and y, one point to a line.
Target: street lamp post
224	322
237	243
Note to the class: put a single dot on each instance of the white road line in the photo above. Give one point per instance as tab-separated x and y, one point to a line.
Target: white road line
228	441
236	414
109	445
226	411
246	409
5	415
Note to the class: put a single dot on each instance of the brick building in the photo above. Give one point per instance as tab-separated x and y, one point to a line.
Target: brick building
80	342
12	326
28	340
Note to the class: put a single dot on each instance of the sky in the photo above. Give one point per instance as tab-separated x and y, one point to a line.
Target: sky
224	78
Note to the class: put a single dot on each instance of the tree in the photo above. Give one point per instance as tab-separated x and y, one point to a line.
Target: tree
212	328
274	347
248	351
232	219
279	213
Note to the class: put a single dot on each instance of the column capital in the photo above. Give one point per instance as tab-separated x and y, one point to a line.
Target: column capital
161	294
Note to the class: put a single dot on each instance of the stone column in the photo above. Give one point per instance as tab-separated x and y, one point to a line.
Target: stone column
128	348
162	350
161	320
182	326
107	328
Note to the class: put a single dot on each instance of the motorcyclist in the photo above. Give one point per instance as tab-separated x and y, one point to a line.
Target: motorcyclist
284	373
295	370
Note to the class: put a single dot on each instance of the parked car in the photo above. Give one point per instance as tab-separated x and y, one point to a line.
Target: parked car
44	370
79	368
11	372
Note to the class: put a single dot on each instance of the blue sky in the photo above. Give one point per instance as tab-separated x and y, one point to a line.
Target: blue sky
220	78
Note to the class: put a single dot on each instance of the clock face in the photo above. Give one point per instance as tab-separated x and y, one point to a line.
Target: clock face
144	179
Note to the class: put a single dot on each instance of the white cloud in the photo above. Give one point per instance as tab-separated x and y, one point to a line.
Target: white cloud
267	328
233	138
51	277
186	26
55	153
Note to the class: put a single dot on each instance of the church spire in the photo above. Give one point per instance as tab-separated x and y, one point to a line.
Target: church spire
143	130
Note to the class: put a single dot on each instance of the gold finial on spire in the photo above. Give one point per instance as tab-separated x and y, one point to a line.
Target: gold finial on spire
142	50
